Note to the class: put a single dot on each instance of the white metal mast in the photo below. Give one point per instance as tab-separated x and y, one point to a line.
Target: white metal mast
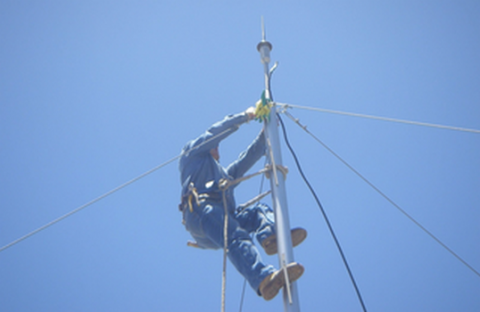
277	182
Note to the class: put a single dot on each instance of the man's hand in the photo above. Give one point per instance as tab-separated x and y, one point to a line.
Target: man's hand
250	113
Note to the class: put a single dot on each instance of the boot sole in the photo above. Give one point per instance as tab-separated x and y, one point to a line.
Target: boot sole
298	236
278	282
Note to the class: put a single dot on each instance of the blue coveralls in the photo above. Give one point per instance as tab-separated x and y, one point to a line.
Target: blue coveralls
206	221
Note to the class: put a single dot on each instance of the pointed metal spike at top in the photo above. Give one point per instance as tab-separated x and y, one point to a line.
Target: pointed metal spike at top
264	37
264	47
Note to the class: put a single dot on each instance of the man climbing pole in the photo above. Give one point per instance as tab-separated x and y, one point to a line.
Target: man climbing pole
204	200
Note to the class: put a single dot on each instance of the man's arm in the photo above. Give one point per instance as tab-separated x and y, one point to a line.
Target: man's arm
248	158
216	133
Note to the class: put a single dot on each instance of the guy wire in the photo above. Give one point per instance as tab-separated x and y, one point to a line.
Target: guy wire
106	194
384	195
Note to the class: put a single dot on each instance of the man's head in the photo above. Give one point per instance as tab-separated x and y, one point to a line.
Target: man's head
215	154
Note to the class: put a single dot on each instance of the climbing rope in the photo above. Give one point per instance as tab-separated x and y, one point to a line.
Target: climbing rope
224	184
242	297
225	247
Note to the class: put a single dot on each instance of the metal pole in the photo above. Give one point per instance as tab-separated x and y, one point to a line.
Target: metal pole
277	182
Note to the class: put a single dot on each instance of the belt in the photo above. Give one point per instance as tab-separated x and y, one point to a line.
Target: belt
215	196
192	194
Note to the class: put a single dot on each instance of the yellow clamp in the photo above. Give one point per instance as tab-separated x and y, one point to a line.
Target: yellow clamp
262	111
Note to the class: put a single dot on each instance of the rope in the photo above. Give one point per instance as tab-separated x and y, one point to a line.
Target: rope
380	118
386	197
242	298
252	201
272	160
224	185
225	248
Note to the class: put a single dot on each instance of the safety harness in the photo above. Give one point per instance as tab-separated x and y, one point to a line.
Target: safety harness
192	196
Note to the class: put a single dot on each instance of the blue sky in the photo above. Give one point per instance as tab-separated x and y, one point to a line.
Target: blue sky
95	93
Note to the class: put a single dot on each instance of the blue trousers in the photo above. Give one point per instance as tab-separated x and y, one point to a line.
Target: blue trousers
206	225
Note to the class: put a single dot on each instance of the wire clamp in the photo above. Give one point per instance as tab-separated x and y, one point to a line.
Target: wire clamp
262	108
282	169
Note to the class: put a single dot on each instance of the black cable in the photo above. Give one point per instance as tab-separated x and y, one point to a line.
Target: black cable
385	196
318	203
324	215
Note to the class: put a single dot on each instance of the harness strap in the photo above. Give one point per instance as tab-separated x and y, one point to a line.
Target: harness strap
187	198
192	194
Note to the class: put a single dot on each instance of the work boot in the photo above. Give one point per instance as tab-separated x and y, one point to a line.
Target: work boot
270	243
272	284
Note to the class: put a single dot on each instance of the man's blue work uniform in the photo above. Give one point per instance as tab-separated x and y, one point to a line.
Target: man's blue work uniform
205	219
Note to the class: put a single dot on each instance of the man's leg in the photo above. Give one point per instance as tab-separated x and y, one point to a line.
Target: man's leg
259	220
241	251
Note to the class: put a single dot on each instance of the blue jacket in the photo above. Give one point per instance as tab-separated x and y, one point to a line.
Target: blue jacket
197	166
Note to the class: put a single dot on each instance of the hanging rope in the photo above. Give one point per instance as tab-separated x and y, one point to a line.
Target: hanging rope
242	297
384	196
224	185
285	106
225	247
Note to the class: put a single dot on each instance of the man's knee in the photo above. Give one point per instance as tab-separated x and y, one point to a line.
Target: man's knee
263	208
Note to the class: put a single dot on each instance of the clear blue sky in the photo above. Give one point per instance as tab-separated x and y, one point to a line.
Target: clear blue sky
94	93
